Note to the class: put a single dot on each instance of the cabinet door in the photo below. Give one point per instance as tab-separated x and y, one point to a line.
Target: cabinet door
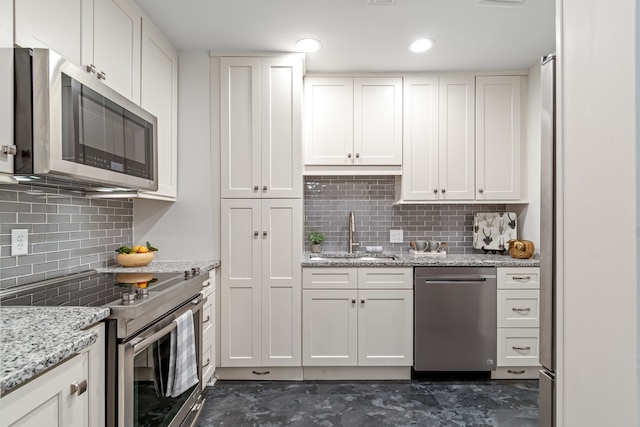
111	42
47	400
281	237
377	121
498	137
420	145
160	97
50	24
6	84
330	328
328	121
385	328
240	305
456	145
281	128
240	124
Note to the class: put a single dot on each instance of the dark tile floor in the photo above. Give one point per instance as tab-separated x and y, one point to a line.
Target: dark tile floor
503	403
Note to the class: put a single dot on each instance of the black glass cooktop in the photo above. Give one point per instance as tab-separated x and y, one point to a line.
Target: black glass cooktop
86	289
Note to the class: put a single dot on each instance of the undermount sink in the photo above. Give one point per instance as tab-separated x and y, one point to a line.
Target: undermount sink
349	257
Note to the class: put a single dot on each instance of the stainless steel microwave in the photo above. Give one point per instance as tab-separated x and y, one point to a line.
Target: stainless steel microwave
70	125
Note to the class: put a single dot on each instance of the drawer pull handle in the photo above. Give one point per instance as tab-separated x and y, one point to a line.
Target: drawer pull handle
521	277
527	348
79	388
206	284
261	373
206	320
207	364
521	310
516	372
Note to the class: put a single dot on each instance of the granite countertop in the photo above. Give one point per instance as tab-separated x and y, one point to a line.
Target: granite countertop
157	266
389	259
33	339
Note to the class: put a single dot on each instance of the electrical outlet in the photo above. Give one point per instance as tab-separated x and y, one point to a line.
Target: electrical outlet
395	236
19	242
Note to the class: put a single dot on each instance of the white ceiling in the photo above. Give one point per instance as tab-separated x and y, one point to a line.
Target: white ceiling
356	36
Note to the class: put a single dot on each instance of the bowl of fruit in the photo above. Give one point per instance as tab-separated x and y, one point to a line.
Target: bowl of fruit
135	256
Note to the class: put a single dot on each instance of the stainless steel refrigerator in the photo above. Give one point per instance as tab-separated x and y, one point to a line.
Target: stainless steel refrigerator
547	243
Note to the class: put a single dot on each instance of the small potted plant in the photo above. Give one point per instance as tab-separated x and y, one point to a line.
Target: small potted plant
316	241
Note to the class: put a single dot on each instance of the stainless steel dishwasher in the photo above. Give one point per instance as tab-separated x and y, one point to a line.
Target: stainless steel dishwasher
455	319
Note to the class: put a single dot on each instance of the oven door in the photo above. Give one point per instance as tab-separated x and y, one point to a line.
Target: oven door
143	363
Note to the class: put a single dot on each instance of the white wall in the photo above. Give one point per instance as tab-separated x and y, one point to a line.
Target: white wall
598	371
530	217
189	228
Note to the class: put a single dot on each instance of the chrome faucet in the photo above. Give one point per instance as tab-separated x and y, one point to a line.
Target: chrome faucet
352	229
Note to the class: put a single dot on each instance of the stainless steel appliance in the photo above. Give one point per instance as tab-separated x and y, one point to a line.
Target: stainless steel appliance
547	244
70	126
455	319
138	337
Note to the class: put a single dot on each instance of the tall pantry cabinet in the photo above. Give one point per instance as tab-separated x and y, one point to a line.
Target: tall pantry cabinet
261	218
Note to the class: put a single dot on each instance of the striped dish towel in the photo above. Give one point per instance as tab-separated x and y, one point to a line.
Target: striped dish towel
183	371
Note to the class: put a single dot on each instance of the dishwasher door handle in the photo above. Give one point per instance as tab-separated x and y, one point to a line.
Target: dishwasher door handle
465	280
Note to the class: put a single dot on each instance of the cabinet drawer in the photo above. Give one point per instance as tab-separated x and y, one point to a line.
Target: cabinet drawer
329	278
518	308
208	319
208	359
516	373
518	346
385	278
519	278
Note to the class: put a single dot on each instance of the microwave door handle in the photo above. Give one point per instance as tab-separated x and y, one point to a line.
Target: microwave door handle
141	342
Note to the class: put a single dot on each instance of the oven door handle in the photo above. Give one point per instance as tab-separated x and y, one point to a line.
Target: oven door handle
142	341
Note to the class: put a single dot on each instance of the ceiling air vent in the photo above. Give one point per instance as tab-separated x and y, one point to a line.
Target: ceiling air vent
382	2
501	3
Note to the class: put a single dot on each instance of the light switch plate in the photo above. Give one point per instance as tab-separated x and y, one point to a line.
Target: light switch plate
19	242
395	236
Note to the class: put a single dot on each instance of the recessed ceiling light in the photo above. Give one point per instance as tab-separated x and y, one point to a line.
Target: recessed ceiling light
308	45
421	45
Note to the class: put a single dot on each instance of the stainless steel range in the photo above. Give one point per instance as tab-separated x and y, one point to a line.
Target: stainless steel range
144	309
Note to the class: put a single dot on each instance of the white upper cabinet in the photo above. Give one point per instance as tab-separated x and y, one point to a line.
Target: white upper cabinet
420	163
102	33
328	121
111	43
261	127
159	96
456	177
353	122
498	137
50	24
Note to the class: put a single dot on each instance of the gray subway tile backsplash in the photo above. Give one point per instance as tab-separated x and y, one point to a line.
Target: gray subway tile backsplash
329	199
67	233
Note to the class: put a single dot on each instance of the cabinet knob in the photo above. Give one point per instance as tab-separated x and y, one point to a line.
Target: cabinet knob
349	155
255	188
435	191
102	75
480	190
353	301
264	233
91	69
256	233
443	191
357	155
79	388
362	301
264	188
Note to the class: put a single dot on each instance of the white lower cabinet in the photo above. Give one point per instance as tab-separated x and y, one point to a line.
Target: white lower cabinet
208	358
68	395
357	317
518	323
260	307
